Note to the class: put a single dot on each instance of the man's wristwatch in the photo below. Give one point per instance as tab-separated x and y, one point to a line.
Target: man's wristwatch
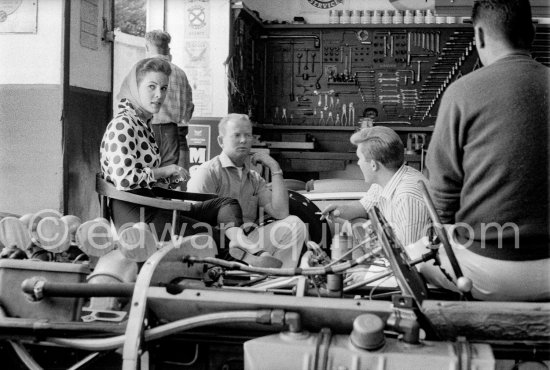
274	173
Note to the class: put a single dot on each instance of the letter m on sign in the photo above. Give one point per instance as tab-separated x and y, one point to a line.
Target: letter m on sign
197	155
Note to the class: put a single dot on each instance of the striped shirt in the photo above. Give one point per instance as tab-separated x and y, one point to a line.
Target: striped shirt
401	203
178	106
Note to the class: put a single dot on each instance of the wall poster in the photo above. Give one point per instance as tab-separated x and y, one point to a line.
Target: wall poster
197	24
197	54
198	140
18	16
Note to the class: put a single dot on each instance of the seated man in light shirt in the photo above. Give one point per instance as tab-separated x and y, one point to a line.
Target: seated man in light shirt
229	175
394	186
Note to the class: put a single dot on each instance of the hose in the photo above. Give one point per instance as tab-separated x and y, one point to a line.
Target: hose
104	344
322	270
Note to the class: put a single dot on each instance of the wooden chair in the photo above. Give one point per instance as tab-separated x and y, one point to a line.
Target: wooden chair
165	199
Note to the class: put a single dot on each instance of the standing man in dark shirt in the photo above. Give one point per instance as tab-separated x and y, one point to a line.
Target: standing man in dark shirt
488	161
170	123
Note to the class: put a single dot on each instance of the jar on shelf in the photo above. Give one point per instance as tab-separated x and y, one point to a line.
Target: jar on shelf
376	17
333	16
451	20
418	17
429	18
409	17
355	16
366	17
397	17
346	17
387	17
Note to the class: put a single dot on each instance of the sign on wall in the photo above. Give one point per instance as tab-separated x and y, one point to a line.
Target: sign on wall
324	4
197	24
18	16
198	140
197	54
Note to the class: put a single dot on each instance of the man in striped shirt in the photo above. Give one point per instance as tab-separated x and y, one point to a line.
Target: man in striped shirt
394	186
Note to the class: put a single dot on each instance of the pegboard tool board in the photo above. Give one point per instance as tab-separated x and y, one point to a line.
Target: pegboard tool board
335	76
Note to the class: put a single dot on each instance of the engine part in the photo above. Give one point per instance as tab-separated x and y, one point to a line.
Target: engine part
291	351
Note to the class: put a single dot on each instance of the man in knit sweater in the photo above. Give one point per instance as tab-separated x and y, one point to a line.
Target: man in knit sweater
488	161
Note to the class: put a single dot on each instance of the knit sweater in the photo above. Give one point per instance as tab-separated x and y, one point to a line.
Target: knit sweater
488	159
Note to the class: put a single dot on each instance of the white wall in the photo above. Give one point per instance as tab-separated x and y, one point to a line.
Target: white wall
35	58
284	10
90	69
31	153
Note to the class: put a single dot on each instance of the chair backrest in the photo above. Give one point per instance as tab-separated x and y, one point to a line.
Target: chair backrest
106	190
308	212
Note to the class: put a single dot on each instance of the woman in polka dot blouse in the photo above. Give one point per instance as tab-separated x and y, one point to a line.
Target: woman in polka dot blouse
130	160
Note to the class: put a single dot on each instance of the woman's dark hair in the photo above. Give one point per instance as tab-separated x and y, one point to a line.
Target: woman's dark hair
152	65
509	19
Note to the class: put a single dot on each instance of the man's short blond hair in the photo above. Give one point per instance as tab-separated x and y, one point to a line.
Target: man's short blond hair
231	117
381	144
159	40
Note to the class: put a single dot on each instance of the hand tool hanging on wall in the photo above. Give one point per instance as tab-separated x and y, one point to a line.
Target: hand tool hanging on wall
291	95
409	41
344	115
418	76
406	77
322	118
316	39
351	116
317	84
330	119
337	122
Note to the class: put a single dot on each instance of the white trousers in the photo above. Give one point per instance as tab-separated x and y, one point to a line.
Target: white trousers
493	280
283	239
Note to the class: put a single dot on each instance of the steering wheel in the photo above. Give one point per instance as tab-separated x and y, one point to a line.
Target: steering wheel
463	284
308	212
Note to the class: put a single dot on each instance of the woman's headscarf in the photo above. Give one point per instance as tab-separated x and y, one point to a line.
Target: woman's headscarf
129	90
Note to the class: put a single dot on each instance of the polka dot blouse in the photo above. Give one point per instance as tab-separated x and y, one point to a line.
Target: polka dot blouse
128	150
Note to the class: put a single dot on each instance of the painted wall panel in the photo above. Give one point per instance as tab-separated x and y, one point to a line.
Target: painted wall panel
31	165
88	114
90	56
35	58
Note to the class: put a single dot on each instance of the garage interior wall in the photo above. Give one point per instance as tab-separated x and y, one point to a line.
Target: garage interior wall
31	165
